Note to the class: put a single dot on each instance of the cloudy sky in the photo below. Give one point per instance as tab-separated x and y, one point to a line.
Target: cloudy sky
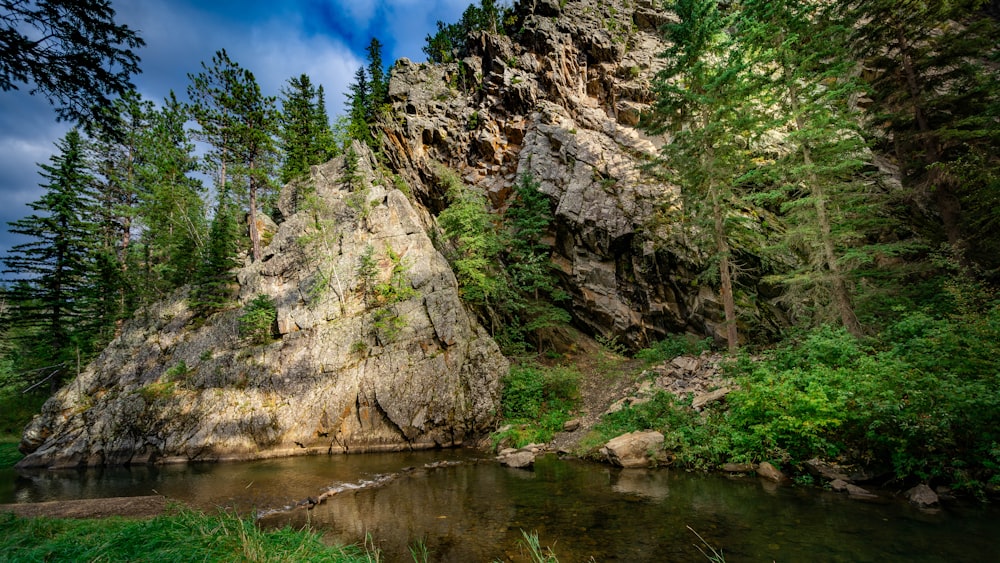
275	39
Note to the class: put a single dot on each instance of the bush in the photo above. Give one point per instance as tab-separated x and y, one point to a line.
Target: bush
922	398
537	401
673	346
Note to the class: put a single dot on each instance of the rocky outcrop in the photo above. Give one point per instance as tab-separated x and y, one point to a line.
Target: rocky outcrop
561	100
349	369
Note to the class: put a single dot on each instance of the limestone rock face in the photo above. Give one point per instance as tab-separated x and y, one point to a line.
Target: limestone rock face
561	100
348	369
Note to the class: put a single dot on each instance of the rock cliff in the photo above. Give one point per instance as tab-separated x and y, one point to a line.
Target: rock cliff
561	100
346	370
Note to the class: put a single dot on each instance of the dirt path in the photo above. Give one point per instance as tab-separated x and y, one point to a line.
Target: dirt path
606	378
128	507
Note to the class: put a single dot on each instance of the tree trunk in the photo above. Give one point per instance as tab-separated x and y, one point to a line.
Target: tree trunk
725	273
252	220
838	284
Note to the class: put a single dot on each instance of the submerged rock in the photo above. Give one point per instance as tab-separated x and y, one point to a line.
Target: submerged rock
346	371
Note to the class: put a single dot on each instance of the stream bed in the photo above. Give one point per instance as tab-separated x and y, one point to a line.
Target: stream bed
463	506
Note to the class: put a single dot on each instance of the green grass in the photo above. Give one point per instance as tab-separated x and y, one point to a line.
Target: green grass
184	535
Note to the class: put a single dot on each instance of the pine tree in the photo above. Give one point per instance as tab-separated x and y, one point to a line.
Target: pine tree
240	123
306	138
171	205
72	51
116	161
817	181
377	80
56	266
326	141
214	278
936	100
529	264
705	100
358	98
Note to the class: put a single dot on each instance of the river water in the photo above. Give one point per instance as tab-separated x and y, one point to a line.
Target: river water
466	508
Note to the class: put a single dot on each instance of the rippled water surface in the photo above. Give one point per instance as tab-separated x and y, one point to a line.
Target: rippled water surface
465	509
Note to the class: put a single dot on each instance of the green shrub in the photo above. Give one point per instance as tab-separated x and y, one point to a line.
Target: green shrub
673	346
537	402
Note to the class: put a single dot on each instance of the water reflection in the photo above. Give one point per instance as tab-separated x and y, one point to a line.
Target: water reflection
475	510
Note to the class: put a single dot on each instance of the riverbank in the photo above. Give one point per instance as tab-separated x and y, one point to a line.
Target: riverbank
179	535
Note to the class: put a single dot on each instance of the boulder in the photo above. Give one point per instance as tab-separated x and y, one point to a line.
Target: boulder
825	470
700	401
518	459
635	449
770	472
859	493
737	467
922	496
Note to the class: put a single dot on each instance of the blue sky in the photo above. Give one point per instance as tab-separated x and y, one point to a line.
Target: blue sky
275	39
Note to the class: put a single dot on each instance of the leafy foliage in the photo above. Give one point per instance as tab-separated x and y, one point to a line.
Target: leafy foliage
921	398
537	401
674	346
503	266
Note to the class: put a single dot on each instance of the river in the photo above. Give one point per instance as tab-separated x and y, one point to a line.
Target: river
464	507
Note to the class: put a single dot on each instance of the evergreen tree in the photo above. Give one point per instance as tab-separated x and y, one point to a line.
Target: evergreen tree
817	181
214	279
56	267
326	141
937	101
529	262
377	80
116	159
448	44
72	51
306	138
240	123
705	99
358	98
171	209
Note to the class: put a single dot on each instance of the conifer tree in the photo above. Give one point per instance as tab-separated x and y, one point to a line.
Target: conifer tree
358	98
705	101
529	264
936	99
214	277
306	138
377	80
116	159
171	206
240	123
56	266
817	181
